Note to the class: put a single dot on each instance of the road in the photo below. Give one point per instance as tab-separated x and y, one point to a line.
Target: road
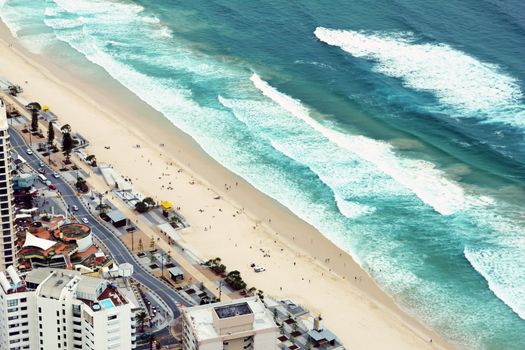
117	249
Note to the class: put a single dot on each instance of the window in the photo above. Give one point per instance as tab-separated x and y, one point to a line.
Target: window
112	317
12	302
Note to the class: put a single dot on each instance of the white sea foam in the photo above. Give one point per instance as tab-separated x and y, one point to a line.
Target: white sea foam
99	7
454	77
346	177
421	177
502	268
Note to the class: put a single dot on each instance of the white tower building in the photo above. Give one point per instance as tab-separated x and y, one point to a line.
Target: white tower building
61	309
244	324
7	232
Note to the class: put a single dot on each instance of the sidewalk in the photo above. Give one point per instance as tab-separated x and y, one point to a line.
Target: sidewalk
97	183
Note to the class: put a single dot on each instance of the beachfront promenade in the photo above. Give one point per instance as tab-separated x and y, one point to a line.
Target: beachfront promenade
117	249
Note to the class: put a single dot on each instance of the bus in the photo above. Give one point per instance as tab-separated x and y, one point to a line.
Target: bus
42	178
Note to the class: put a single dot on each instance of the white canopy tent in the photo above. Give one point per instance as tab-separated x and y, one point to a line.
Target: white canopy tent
34	241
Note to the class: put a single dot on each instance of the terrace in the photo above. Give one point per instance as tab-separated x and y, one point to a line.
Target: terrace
71	232
109	298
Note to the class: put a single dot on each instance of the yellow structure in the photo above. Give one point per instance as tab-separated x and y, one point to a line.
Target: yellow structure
166	205
45	108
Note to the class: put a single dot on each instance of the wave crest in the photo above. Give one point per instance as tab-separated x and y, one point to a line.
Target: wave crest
457	79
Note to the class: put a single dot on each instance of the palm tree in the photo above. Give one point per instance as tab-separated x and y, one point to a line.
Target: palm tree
154	343
67	141
92	160
141	319
50	133
260	294
34	120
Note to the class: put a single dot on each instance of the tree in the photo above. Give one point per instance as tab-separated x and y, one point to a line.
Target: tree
152	243
235	281
92	160
141	207
154	343
81	185
260	294
153	258
150	202
34	120
102	208
141	319
141	246
50	133
67	141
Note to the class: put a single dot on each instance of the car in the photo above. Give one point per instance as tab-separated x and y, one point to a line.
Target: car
75	208
28	151
52	187
41	164
41	170
56	175
85	221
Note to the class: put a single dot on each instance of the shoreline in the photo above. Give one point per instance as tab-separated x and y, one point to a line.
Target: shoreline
368	310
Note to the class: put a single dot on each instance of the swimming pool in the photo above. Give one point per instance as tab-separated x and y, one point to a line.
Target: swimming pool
107	303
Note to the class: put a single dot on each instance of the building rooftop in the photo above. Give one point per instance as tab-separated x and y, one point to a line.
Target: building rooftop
320	335
90	288
116	215
37	276
233	310
53	286
176	271
201	317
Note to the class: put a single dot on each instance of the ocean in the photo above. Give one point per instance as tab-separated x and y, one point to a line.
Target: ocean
397	128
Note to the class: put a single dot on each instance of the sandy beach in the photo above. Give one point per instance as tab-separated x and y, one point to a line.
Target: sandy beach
244	226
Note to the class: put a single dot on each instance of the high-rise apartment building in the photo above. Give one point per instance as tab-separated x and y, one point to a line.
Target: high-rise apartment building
62	309
7	232
244	324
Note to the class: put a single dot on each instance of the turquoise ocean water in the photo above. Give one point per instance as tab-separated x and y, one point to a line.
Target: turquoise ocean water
397	128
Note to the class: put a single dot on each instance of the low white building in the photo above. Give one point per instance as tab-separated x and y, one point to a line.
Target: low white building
234	325
61	309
